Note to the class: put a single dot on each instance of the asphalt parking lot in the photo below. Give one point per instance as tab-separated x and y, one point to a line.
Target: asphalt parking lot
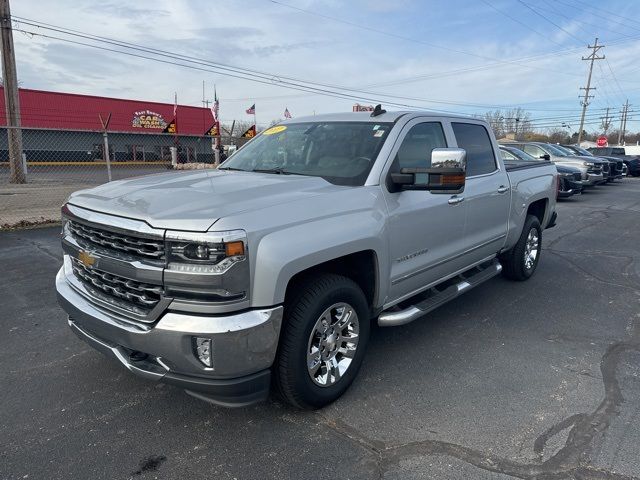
533	380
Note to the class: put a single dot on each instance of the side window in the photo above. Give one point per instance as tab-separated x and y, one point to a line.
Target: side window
533	151
476	141
415	149
507	155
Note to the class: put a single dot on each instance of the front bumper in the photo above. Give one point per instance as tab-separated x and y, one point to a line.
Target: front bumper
569	187
243	346
593	179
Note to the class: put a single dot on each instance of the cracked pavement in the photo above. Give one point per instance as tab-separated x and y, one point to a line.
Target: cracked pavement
534	380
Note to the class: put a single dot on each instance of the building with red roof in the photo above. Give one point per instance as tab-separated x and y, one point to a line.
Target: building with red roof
68	127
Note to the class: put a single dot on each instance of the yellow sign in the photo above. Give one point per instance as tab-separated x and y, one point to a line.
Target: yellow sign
171	128
276	129
148	119
86	258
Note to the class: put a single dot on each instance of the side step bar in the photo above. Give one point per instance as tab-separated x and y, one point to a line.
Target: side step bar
467	281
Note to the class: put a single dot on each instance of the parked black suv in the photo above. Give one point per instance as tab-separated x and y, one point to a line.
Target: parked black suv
616	165
631	161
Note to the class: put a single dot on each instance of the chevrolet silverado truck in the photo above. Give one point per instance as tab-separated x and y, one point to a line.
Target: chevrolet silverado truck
591	168
267	273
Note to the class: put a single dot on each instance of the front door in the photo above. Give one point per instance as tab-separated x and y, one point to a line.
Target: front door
425	230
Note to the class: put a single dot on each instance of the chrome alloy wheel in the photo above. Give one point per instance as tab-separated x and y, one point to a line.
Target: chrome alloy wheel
332	344
531	249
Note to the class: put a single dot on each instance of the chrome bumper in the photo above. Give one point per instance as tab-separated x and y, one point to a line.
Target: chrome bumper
243	346
593	179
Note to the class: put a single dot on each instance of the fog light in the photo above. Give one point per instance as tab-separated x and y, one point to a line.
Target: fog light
203	351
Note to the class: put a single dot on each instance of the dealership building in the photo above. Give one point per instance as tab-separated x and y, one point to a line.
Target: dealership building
65	127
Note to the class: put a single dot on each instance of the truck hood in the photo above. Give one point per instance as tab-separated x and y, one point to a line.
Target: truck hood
195	200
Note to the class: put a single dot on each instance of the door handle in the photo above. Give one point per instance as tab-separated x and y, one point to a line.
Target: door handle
502	189
455	200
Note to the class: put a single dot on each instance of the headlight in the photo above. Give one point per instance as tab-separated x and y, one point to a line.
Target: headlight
588	164
214	252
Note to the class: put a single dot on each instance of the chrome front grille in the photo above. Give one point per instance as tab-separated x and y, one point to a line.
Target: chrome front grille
137	297
149	248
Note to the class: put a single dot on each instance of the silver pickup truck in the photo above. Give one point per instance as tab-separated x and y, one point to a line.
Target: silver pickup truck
270	269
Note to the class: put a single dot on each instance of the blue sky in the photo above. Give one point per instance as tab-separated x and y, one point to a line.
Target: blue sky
453	55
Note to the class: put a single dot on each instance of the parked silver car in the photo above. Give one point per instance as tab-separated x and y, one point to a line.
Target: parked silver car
591	168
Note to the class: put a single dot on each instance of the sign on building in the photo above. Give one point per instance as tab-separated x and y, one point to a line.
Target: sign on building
148	119
362	108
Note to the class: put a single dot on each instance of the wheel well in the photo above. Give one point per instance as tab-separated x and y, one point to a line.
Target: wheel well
538	209
361	267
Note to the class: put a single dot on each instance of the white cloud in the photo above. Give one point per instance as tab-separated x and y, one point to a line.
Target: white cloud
263	36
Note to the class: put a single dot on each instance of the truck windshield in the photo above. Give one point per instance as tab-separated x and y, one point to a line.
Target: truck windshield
582	151
340	152
521	155
567	151
556	150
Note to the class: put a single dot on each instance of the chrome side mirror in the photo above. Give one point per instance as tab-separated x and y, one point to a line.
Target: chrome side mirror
445	175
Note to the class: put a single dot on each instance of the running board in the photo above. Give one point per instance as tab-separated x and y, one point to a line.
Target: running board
467	281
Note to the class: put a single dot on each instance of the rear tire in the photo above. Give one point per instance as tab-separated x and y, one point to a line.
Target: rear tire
323	341
521	261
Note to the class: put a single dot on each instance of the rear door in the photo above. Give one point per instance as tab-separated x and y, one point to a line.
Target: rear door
486	193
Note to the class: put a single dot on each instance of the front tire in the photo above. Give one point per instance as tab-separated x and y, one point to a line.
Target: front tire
323	341
521	261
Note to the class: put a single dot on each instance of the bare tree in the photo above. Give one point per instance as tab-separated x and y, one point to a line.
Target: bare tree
514	120
558	135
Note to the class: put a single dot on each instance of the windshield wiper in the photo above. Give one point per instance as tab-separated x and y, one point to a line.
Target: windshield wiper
277	170
232	168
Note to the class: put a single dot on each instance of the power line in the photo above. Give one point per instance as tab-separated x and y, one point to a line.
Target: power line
600	14
550	21
270	78
519	22
575	20
614	78
401	37
239	75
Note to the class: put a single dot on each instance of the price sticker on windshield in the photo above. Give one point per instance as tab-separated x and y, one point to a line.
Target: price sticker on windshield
378	133
273	130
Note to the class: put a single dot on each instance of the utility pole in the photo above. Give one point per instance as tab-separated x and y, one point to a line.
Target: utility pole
11	99
606	122
592	57
623	122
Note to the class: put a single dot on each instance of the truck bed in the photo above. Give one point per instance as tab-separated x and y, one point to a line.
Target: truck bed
511	165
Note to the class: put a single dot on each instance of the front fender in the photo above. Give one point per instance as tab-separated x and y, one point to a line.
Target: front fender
287	252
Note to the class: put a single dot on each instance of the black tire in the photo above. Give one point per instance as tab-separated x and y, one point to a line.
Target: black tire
514	265
301	312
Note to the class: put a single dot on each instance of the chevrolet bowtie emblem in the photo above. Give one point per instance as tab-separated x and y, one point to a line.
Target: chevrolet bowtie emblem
86	259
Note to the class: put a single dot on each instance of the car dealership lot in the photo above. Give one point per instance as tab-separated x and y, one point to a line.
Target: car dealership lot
538	379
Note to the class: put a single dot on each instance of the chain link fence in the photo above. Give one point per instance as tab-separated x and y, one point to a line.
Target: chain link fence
59	162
